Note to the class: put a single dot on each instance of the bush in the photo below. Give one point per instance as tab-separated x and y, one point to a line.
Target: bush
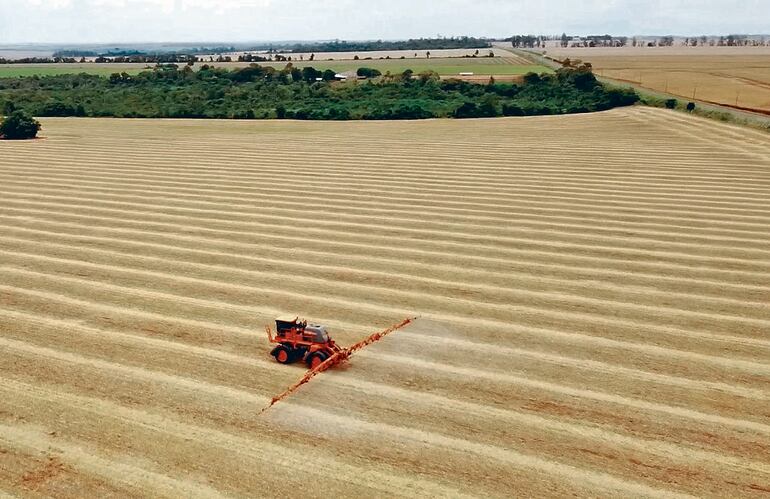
616	97
670	103
57	109
397	111
531	78
368	72
19	126
690	106
467	110
513	110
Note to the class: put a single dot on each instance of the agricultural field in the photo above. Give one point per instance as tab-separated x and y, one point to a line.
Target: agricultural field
54	69
509	65
489	66
22	52
592	290
374	54
732	76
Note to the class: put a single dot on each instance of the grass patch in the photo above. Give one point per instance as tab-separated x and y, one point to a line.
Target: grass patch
64	69
443	66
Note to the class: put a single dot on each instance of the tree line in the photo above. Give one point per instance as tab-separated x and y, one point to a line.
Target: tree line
662	41
185	55
462	42
304	93
118	52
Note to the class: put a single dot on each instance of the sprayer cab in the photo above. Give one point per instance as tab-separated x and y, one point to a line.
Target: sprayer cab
295	339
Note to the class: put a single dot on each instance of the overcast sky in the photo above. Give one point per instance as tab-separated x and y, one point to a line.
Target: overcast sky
108	21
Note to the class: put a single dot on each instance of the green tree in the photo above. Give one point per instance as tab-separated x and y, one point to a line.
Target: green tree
406	75
310	74
368	72
19	126
429	75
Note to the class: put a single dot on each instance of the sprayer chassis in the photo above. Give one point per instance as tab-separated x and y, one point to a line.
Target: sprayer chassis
295	340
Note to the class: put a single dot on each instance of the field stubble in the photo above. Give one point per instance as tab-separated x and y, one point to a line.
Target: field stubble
593	292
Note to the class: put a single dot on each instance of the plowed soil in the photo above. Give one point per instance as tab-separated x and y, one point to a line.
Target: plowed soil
593	292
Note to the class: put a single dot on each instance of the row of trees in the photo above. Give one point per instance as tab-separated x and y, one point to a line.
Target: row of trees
118	52
148	59
527	41
264	92
38	60
663	41
194	54
462	42
145	59
192	59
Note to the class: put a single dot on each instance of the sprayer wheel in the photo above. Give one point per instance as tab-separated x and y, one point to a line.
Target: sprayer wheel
316	360
283	355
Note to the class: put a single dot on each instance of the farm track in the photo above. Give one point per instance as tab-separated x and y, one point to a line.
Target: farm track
593	293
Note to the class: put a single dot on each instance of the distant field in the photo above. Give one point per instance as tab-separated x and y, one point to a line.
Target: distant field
376	54
501	66
443	66
733	76
15	70
18	53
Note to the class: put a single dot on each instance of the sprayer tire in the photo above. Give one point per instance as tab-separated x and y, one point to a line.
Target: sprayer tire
283	355
316	359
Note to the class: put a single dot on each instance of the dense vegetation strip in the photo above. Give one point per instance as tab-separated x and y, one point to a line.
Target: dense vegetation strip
460	42
463	42
306	93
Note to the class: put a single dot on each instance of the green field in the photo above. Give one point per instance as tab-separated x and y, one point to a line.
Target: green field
443	66
11	71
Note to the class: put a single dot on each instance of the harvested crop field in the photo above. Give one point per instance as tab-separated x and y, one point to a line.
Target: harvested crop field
731	76
593	292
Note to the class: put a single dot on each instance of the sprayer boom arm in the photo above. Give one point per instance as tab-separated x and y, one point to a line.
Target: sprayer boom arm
338	357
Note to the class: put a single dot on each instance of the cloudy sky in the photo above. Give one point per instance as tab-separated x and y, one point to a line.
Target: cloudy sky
107	21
